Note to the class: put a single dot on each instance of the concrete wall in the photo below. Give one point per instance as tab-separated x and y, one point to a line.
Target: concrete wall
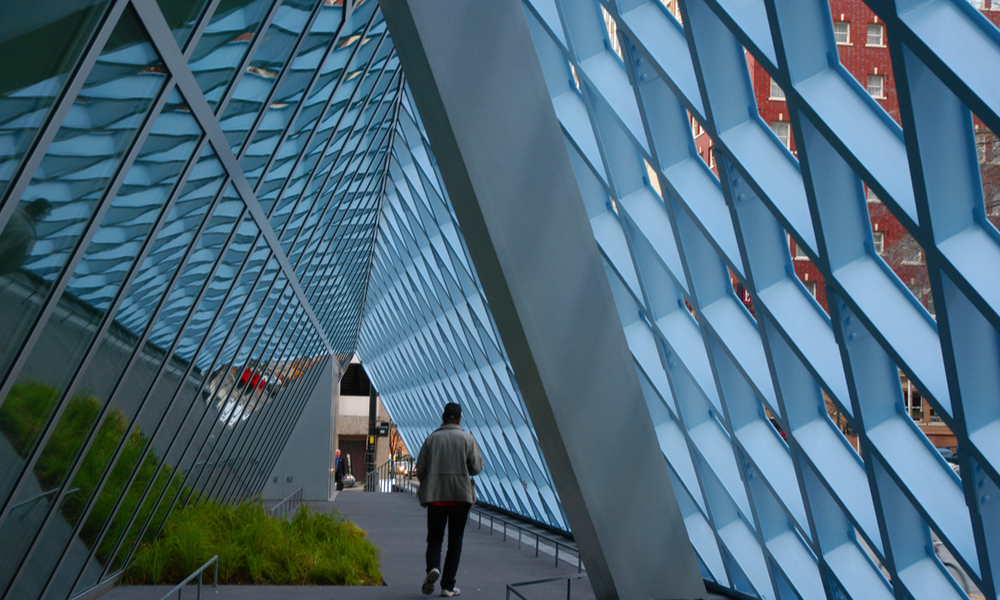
352	420
307	458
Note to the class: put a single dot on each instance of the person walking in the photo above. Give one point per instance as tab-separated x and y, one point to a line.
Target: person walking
447	460
19	236
338	473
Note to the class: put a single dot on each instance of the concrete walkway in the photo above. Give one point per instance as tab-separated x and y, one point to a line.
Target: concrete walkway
397	524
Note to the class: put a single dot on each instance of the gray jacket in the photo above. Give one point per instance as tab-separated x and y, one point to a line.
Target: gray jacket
447	459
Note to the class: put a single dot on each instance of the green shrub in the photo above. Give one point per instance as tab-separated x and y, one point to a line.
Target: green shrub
254	547
22	416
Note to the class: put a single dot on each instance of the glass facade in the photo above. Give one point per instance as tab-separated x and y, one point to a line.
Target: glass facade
190	193
204	203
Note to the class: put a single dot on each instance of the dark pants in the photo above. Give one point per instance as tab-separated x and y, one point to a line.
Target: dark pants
437	517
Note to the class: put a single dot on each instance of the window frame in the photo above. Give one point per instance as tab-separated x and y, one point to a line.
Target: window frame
772	96
881	36
878	239
881	82
787	139
837	41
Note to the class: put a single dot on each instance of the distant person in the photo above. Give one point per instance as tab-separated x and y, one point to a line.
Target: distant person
19	235
338	473
448	459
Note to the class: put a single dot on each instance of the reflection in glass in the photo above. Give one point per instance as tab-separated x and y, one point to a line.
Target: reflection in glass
46	43
181	16
279	113
265	68
154	381
123	232
74	173
224	44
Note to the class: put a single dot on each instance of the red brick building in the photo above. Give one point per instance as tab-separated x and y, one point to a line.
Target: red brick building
861	40
863	48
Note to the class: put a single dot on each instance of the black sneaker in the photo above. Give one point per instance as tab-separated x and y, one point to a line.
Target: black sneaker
432	576
450	593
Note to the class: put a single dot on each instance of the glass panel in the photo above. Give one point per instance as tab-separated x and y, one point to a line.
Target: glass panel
330	82
71	179
181	16
148	388
37	50
281	110
109	258
143	517
265	68
224	44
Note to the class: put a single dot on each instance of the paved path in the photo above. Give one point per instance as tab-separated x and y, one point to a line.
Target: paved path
397	525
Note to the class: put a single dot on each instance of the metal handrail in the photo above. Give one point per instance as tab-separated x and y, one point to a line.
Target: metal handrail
179	588
556	544
294	497
387	478
34	499
569	584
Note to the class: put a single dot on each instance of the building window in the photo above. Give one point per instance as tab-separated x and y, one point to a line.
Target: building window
612	27
875	86
783	130
842	32
711	157
810	287
776	92
870	195
800	253
908	250
879	238
875	31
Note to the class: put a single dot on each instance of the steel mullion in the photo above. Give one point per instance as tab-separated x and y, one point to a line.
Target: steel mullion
233	448
256	476
243	340
170	53
306	94
47	131
331	250
261	410
326	306
319	123
169	352
133	273
227	430
264	454
232	482
365	194
282	431
266	104
236	441
275	321
319	161
334	244
708	510
259	431
305	190
208	411
381	198
320	192
258	37
97	217
199	29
